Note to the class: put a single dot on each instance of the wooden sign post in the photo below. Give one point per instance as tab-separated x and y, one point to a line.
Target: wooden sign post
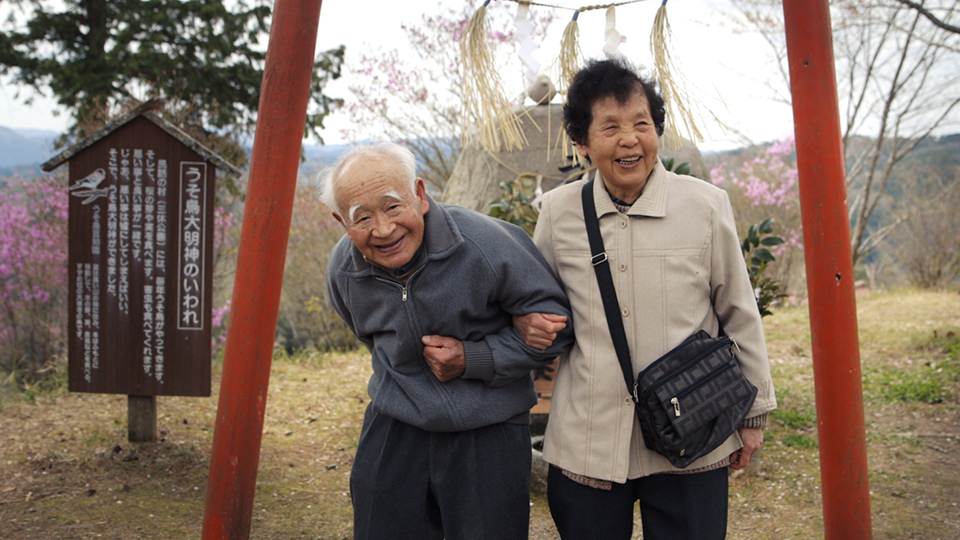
140	264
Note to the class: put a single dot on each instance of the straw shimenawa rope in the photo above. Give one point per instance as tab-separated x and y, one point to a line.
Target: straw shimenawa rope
486	113
668	73
583	8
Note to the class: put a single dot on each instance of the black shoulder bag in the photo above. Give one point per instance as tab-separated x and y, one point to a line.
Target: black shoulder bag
689	400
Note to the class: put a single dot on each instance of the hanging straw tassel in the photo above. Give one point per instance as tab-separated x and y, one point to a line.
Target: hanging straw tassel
668	72
569	53
569	64
484	103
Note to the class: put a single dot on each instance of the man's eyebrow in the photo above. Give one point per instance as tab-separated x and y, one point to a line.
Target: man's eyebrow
353	212
389	195
392	194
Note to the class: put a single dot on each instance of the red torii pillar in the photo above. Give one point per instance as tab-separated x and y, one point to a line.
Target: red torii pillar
826	236
282	112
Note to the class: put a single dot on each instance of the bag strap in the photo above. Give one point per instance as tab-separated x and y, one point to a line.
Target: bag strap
601	264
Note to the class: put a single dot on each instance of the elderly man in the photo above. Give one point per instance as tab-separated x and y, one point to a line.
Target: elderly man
431	290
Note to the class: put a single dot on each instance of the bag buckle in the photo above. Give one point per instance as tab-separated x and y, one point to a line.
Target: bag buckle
599	258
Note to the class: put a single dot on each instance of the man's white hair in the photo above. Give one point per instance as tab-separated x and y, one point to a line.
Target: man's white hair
330	177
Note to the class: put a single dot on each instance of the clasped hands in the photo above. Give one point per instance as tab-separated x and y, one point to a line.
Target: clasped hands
445	358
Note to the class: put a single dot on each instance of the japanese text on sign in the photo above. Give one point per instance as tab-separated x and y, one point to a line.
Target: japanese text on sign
193	196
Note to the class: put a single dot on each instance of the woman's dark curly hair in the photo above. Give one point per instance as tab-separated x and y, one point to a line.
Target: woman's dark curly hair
599	80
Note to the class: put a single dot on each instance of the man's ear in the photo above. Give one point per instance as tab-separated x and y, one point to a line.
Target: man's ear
340	219
421	193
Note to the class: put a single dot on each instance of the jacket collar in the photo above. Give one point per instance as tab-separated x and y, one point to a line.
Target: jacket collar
441	237
652	202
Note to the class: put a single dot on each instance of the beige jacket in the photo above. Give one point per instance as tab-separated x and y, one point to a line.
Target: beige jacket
677	268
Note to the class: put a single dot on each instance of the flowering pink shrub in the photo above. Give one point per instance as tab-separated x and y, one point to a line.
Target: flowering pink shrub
223	222
766	186
33	275
219	324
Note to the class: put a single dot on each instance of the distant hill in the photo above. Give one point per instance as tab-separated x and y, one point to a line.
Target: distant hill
941	153
23	150
318	157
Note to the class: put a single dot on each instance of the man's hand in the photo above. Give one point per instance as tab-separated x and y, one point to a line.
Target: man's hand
752	441
444	356
538	330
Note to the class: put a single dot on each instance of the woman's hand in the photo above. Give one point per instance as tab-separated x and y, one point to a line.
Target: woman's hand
538	330
752	441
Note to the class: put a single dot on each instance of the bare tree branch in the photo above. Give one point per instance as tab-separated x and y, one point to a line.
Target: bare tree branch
897	87
930	16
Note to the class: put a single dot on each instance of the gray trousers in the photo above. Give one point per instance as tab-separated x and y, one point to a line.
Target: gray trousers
407	483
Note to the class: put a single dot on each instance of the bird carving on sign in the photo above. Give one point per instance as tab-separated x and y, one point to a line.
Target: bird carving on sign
90	181
86	187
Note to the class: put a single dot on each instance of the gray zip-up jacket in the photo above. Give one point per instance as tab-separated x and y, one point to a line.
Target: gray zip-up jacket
476	272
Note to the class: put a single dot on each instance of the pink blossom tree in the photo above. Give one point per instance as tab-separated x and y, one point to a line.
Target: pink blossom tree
226	240
415	98
33	276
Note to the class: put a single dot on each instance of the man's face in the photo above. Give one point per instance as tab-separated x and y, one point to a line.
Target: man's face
383	217
622	142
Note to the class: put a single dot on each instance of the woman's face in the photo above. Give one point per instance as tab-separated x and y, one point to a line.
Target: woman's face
622	142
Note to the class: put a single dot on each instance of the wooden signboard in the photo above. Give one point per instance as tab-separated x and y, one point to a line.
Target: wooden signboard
140	264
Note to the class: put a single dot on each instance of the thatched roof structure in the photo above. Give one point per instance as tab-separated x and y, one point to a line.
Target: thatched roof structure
476	178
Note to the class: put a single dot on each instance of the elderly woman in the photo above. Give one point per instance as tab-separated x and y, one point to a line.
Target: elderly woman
677	268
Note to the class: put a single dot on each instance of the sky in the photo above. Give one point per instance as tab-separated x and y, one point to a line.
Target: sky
729	73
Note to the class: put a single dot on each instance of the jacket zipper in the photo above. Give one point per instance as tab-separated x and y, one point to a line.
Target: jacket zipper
404	289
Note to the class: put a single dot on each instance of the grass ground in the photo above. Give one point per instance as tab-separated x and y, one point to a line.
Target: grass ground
68	472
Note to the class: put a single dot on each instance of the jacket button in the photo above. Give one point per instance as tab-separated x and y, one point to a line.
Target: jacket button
623	267
623	224
626	312
627	401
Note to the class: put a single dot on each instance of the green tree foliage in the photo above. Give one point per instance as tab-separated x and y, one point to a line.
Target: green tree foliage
757	254
515	204
204	58
682	168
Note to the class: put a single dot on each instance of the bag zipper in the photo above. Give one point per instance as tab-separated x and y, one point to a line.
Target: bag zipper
721	343
693	387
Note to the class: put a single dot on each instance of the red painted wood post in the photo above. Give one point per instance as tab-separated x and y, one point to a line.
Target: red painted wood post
284	94
826	236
